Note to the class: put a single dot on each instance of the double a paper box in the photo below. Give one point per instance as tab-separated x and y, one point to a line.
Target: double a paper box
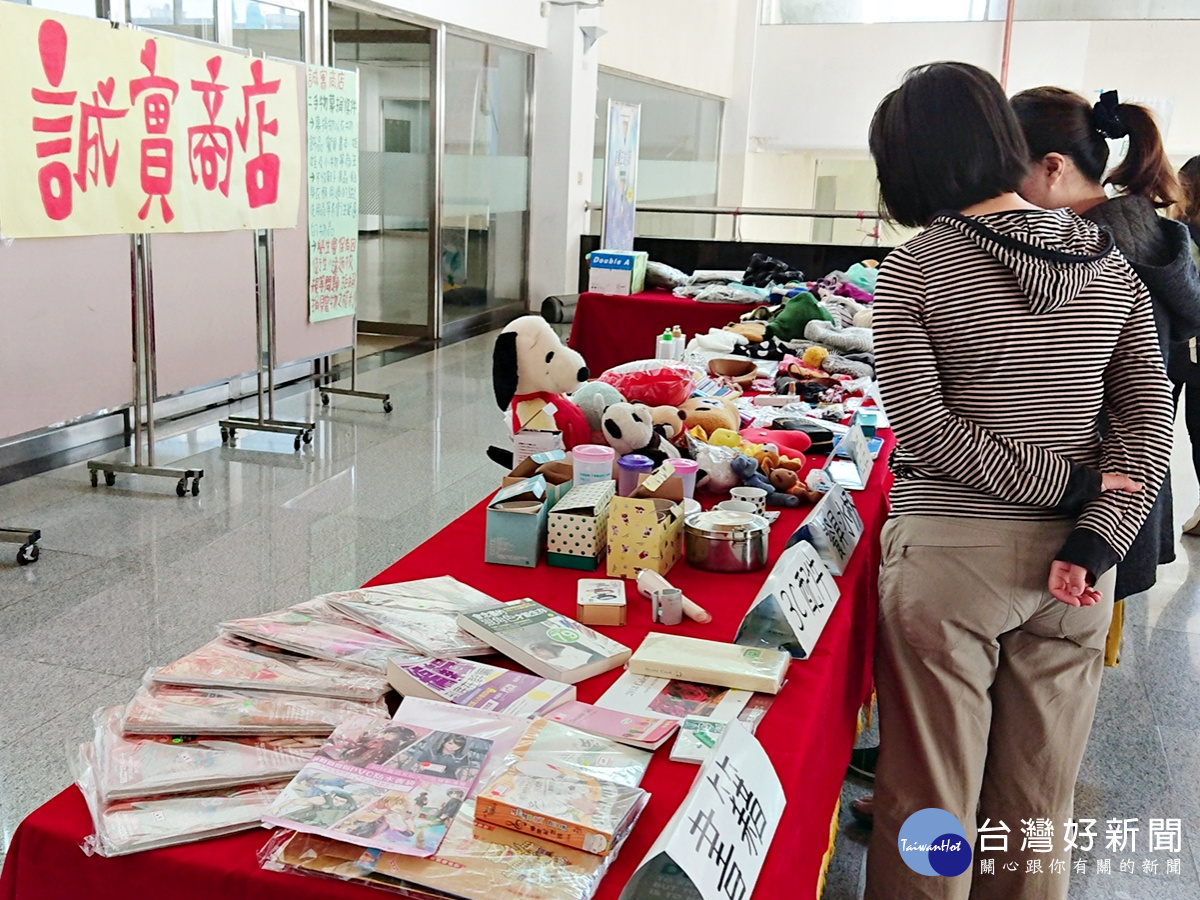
616	271
516	523
577	532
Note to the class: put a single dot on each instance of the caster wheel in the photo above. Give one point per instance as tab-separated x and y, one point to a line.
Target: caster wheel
95	478
195	487
182	488
387	406
307	437
110	478
296	443
225	435
27	554
324	399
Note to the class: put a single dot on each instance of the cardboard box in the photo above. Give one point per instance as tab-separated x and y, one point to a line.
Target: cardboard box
576	535
645	530
553	466
600	601
516	523
617	271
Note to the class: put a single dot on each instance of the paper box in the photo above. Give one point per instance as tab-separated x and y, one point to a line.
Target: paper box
616	271
645	530
516	523
553	466
577	531
600	601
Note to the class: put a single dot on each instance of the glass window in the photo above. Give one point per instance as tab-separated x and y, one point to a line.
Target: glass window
795	12
190	18
86	8
677	155
269	29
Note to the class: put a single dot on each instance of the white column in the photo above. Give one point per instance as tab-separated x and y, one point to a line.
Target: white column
561	168
735	128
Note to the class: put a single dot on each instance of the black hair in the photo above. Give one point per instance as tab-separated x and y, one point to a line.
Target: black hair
946	139
1189	183
1056	120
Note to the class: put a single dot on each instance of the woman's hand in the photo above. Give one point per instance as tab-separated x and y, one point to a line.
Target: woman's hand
1068	583
1114	481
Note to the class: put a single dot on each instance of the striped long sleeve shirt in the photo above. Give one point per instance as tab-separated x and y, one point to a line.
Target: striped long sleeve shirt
1000	340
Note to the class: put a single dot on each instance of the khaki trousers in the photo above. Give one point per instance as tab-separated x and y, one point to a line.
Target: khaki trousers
987	687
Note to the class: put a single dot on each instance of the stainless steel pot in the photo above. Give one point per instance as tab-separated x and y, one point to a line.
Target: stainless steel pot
723	541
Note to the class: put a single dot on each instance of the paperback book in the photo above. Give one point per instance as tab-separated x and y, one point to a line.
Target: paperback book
545	642
711	662
421	614
390	785
236	662
547	741
164	709
647	732
645	695
316	629
468	683
128	766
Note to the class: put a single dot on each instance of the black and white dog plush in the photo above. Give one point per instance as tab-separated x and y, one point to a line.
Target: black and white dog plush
629	428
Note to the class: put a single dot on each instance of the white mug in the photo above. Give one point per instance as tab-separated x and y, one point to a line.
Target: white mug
756	496
742	506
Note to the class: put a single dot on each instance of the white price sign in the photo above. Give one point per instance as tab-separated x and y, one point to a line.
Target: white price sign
714	846
833	528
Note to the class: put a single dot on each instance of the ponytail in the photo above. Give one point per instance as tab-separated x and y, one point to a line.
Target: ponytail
1145	169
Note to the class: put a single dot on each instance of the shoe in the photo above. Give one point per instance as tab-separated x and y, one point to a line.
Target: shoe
1192	525
863	810
863	760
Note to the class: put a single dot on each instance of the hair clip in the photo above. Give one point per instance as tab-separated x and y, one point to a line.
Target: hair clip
1106	118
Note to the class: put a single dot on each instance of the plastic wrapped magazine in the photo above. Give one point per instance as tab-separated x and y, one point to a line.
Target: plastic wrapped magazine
548	741
422	614
475	862
164	709
130	826
315	629
394	786
235	662
127	766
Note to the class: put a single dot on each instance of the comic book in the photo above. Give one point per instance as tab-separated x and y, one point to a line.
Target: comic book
235	662
316	629
165	709
547	741
393	786
130	766
638	731
130	826
645	695
465	682
422	614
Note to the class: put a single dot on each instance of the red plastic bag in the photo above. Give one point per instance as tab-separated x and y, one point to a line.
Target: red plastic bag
655	382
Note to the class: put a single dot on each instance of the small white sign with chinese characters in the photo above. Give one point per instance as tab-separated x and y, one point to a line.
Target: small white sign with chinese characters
805	592
851	473
715	844
833	528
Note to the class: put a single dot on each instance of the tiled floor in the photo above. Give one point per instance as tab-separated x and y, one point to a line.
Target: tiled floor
133	576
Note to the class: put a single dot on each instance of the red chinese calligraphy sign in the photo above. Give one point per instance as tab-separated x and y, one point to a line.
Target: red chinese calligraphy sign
106	131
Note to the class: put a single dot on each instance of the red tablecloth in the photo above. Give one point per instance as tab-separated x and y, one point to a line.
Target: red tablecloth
808	734
609	330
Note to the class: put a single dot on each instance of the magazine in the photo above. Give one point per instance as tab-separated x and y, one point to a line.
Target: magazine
644	695
388	785
316	629
465	682
638	731
129	766
130	826
235	662
421	614
165	709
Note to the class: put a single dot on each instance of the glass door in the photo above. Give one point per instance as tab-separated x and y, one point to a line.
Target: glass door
394	62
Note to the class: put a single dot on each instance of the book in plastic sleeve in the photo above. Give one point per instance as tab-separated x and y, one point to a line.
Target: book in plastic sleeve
392	786
645	695
235	662
697	739
711	662
315	629
545	642
465	682
638	731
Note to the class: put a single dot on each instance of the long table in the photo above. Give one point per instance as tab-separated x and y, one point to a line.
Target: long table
808	734
609	330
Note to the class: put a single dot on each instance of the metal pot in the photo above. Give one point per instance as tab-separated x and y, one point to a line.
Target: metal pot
723	541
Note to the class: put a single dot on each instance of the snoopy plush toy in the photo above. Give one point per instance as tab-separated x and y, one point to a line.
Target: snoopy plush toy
531	373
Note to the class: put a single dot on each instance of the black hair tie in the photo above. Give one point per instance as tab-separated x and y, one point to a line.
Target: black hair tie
1107	119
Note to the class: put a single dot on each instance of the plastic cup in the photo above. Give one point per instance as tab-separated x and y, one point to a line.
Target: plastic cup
629	467
686	469
593	462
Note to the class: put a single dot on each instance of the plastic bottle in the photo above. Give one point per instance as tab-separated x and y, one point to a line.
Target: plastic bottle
668	345
679	342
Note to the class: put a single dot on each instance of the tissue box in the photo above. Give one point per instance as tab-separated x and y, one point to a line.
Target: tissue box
645	530
576	533
616	271
516	523
552	466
